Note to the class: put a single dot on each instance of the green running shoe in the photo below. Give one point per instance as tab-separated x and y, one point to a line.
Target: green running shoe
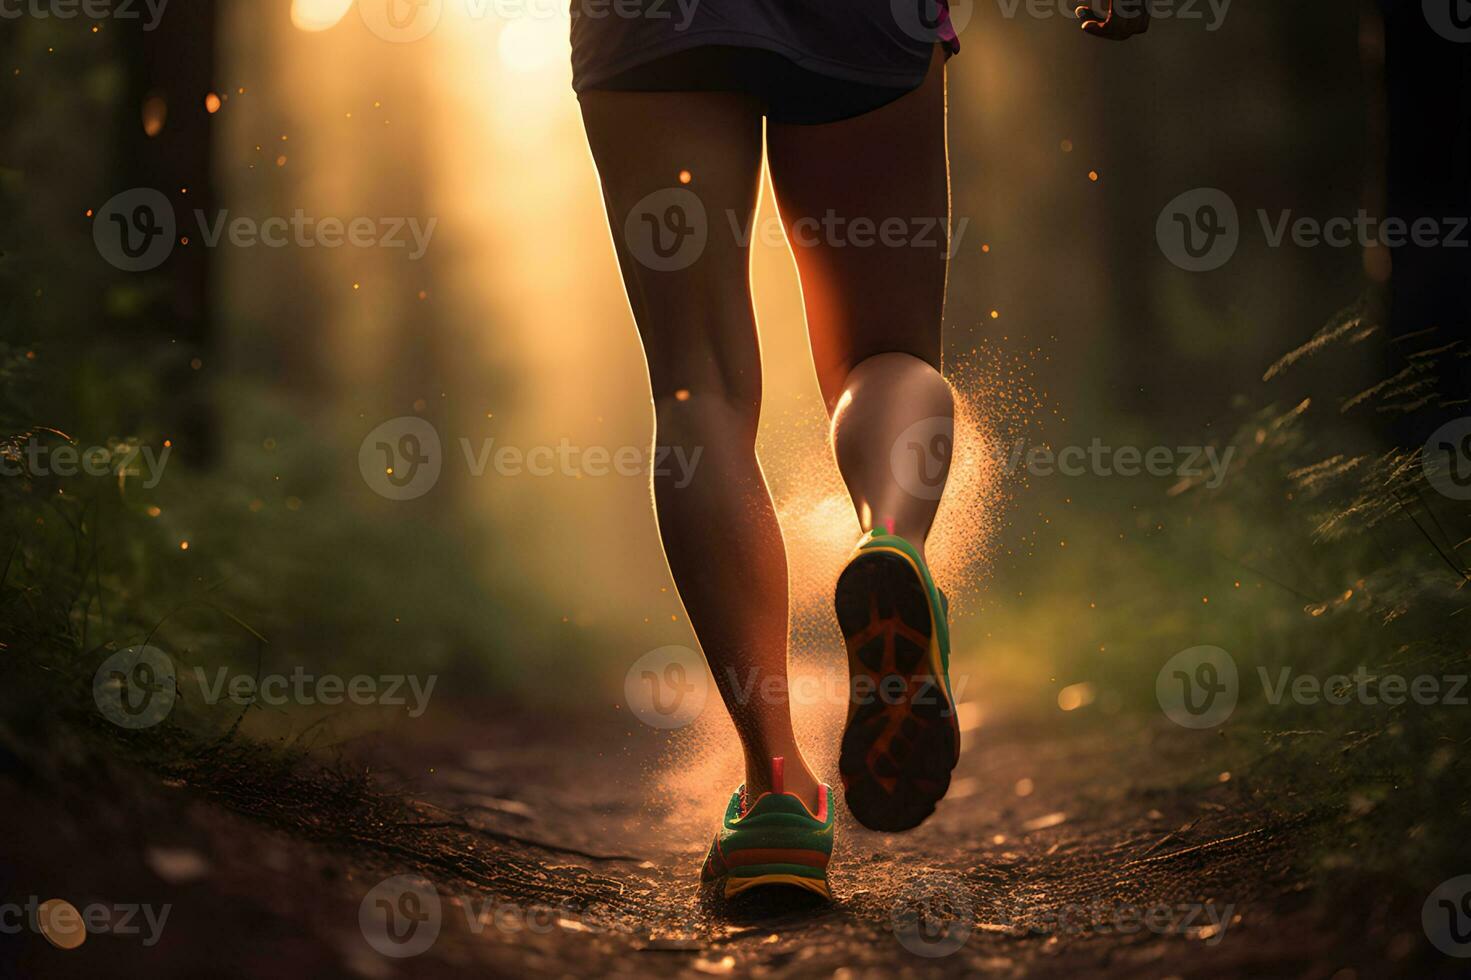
902	738
775	840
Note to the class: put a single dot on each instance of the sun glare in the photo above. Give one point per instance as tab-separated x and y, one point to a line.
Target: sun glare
318	15
531	45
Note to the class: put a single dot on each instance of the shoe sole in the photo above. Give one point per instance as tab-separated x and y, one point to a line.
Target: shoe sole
898	748
818	886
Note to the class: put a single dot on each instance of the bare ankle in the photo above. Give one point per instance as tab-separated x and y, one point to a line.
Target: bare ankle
915	534
784	774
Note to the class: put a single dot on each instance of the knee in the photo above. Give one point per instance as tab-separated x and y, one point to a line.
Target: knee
708	386
720	413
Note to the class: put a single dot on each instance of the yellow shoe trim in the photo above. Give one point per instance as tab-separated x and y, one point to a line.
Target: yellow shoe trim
818	886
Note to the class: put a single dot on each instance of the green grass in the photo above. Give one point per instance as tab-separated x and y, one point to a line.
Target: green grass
1319	554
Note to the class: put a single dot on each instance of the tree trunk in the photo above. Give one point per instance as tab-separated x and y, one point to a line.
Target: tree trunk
1427	78
166	144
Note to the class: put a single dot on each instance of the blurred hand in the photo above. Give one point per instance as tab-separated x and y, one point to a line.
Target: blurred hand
1117	20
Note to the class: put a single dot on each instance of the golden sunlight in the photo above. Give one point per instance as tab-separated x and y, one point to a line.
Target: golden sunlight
318	15
530	44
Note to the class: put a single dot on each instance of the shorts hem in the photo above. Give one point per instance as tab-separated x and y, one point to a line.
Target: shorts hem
821	66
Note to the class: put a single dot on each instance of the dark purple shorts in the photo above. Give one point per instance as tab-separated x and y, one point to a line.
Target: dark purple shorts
806	61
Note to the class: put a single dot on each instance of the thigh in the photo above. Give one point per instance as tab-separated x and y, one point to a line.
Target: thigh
680	171
866	204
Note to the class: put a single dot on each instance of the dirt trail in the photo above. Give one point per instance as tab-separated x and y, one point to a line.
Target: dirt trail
1055	854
